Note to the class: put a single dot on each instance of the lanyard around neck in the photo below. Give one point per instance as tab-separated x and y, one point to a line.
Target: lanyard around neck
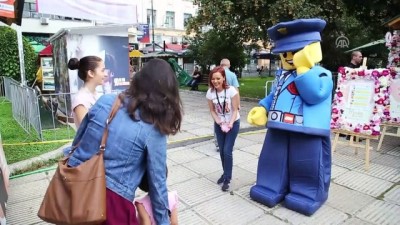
219	103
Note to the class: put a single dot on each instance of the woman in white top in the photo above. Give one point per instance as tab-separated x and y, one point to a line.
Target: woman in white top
223	101
91	70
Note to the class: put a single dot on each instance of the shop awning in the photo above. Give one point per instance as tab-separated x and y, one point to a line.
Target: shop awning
367	45
135	54
47	51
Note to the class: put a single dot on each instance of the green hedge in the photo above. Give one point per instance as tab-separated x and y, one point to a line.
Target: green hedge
9	58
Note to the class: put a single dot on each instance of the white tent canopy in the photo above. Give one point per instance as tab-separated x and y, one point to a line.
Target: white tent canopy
367	45
110	11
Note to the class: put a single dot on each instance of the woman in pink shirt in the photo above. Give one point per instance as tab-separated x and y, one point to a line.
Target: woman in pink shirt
91	70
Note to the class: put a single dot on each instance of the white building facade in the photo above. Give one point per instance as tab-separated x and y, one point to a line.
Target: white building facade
169	16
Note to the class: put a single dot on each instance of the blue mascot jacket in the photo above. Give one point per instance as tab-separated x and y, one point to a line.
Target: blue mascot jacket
300	103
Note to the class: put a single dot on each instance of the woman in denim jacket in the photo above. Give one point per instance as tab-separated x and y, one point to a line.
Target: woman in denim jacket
137	141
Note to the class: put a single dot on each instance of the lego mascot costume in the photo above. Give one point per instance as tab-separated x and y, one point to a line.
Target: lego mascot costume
295	161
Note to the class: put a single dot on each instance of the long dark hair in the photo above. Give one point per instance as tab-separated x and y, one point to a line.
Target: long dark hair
154	90
84	65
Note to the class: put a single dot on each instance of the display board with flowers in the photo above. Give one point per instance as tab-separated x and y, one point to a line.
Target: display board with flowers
360	100
392	113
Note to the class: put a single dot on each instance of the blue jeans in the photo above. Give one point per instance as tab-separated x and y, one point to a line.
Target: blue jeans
226	141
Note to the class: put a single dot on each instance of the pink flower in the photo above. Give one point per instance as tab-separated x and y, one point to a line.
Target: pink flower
375	73
375	133
377	90
361	73
340	94
341	70
385	72
357	130
366	127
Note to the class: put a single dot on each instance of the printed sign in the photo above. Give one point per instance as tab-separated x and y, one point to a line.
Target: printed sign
144	33
7	8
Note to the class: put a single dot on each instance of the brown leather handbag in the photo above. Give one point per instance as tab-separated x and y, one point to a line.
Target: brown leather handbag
77	195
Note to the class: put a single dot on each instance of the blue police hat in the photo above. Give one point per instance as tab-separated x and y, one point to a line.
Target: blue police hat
294	35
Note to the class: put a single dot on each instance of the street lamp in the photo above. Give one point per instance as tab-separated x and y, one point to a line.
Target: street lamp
152	25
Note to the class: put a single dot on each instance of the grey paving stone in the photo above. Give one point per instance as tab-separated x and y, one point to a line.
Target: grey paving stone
186	126
178	174
27	179
191	217
387	160
380	212
253	149
350	151
394	151
241	178
196	191
363	183
250	166
24	213
19	193
204	166
208	148
256	136
345	161
228	209
179	137
347	200
185	156
268	220
383	172
393	196
324	215
203	131
241	156
242	142
337	171
355	221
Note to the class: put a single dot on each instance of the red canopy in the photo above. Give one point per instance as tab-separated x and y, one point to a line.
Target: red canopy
48	51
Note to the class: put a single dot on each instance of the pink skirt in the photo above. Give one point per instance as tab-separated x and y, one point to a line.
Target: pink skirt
119	210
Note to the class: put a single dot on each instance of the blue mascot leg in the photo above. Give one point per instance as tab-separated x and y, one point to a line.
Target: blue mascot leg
272	174
309	172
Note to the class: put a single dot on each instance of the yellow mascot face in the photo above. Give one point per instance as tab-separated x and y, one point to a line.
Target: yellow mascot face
287	60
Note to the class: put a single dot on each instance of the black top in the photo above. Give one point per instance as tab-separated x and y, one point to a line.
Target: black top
351	65
197	73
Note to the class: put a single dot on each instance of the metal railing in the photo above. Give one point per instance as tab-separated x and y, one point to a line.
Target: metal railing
25	109
268	86
5	87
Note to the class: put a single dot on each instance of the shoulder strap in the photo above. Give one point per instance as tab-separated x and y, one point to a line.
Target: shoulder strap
114	110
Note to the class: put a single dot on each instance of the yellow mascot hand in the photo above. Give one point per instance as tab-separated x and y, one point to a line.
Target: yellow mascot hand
306	58
257	116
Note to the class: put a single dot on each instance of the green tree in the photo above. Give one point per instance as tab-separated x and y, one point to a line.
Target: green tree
210	47
9	58
360	21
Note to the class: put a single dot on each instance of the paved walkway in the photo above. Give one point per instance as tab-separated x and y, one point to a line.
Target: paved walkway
356	196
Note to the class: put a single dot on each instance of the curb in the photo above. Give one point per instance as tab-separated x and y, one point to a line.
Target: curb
58	152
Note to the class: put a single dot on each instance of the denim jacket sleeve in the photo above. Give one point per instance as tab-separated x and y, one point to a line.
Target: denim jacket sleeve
156	166
78	136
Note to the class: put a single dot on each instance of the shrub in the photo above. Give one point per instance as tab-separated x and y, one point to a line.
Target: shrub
9	58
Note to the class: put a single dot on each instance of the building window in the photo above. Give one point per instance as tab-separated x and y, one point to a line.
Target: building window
170	19
149	20
186	17
30	10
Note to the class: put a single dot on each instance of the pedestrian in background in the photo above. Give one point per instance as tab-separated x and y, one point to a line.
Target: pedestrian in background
91	70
